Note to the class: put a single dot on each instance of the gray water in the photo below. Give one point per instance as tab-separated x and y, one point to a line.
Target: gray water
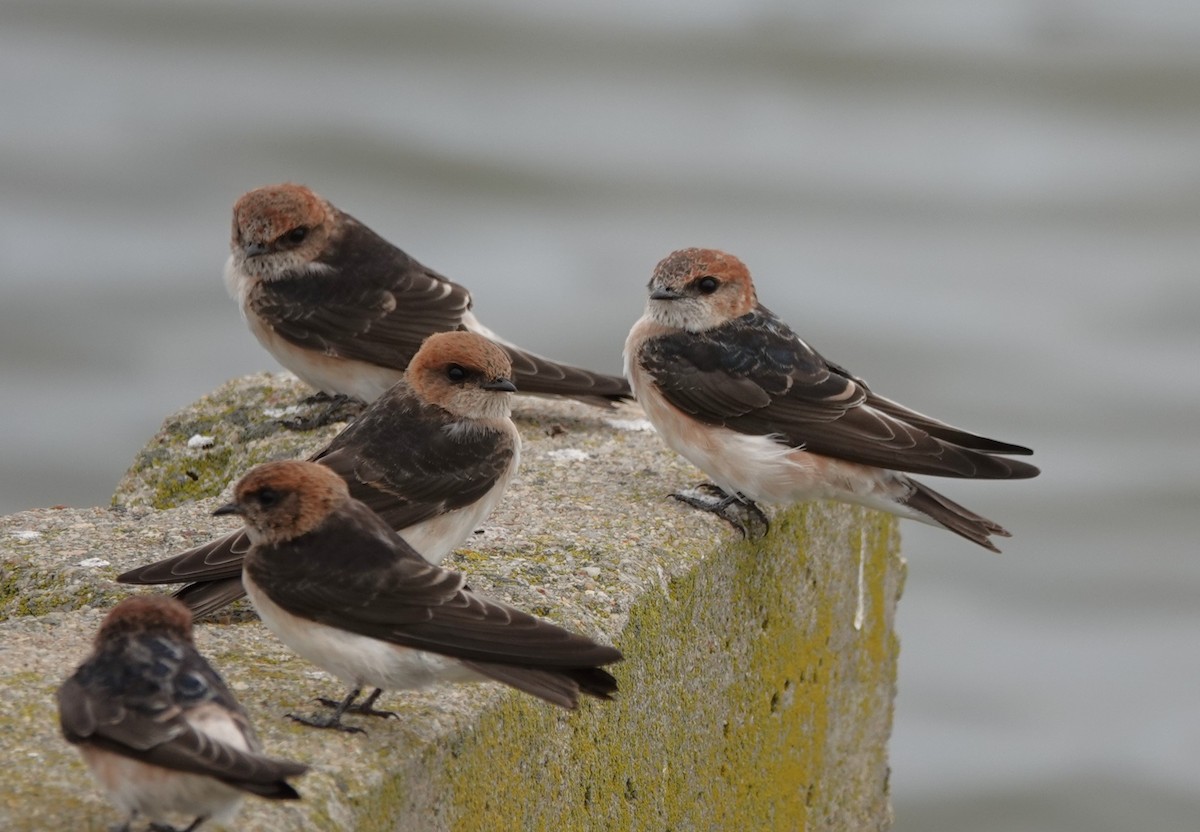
989	210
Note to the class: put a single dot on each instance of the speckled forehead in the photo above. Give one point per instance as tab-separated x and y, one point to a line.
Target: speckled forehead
679	267
467	349
265	213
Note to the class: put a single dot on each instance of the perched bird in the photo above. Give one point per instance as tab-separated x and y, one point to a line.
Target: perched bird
432	457
337	585
345	310
730	387
157	725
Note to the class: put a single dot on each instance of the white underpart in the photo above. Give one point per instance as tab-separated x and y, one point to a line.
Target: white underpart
439	536
159	793
762	468
359	661
324	372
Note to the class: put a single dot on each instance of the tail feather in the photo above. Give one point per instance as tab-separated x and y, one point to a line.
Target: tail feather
272	783
560	686
541	376
537	375
214	568
220	558
946	432
205	597
950	515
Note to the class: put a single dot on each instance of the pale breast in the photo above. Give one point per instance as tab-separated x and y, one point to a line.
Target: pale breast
357	660
159	793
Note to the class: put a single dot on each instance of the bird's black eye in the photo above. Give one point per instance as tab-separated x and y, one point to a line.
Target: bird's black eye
456	373
707	284
296	235
267	497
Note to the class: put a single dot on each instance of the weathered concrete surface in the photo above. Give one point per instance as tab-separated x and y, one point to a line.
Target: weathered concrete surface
749	697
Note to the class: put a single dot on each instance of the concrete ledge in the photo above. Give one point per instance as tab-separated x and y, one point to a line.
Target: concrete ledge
756	694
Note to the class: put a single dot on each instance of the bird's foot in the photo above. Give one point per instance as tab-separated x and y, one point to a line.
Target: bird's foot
365	708
333	721
339	408
734	509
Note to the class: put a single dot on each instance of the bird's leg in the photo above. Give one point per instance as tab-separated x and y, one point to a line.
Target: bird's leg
335	719
735	509
366	707
341	408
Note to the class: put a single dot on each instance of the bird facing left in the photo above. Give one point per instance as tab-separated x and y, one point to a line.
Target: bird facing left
336	584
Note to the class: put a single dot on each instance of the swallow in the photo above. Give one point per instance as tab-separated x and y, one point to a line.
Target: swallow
157	725
729	386
432	457
345	310
338	586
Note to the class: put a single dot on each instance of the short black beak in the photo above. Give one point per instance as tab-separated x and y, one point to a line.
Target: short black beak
664	294
502	385
228	508
254	249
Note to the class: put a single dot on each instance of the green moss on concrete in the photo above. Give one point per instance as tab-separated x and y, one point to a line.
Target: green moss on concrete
732	682
26	590
167	473
755	693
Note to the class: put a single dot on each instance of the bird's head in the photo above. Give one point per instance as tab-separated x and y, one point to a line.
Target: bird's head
699	288
280	501
279	229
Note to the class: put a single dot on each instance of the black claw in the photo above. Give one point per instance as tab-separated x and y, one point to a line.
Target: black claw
364	708
333	721
735	509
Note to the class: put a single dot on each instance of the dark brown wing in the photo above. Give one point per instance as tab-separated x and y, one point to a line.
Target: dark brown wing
396	458
356	574
755	376
132	698
364	300
376	304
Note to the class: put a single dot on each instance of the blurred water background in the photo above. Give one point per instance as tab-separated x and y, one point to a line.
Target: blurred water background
989	210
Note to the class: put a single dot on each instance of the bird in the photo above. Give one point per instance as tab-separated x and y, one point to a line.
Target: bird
338	586
345	310
729	386
432	457
157	725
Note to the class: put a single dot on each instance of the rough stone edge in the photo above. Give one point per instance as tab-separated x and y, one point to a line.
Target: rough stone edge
590	542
